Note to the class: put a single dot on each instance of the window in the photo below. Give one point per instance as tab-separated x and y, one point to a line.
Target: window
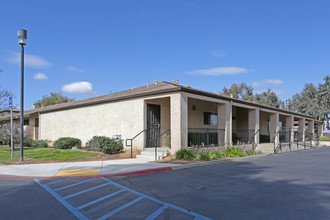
210	118
26	122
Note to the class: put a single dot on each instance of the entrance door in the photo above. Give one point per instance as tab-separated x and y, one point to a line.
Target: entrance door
36	129
153	125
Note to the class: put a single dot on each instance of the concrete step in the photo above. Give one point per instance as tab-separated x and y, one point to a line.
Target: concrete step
149	158
159	149
149	153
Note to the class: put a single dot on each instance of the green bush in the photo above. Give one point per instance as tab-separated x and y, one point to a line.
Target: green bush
43	144
184	154
28	142
67	143
250	152
234	152
215	155
104	144
204	156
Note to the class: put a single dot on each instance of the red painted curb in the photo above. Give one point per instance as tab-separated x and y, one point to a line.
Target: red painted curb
133	173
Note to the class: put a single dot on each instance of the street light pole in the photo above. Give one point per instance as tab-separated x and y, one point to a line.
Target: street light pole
22	35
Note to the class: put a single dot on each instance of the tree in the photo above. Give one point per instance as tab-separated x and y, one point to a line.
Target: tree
323	96
239	91
268	98
306	102
52	99
4	95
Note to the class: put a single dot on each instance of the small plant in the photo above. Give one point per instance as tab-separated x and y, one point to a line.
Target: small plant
215	155
234	152
67	143
204	156
259	152
168	140
184	154
250	152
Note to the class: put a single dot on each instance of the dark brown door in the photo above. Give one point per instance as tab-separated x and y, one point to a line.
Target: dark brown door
153	125
36	129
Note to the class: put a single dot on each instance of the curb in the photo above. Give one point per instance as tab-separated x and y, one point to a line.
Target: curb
208	163
132	173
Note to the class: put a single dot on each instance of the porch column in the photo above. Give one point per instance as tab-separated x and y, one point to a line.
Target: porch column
301	128
179	122
254	124
319	130
274	128
311	130
224	123
289	122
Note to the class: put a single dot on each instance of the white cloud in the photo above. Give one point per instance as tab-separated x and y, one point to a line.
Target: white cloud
267	82
74	69
29	60
218	71
40	76
79	87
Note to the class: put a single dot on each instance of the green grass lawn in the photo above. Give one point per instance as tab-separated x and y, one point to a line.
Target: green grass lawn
324	139
33	155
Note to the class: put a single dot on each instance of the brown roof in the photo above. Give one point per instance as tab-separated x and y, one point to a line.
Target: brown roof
150	89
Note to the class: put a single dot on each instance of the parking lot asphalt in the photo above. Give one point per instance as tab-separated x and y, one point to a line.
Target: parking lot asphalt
286	186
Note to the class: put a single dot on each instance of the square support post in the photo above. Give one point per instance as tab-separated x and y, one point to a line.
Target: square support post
274	128
289	122
179	122
224	123
301	128
254	124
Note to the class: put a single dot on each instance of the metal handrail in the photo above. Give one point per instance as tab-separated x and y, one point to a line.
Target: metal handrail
131	145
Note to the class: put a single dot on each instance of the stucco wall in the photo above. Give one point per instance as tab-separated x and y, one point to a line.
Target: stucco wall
196	117
116	118
264	117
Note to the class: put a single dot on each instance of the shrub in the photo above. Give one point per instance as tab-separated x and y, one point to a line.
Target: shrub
28	142
250	152
184	154
204	156
43	144
215	155
67	143
234	152
105	144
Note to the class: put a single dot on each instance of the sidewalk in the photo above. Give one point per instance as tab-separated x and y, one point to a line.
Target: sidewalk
89	168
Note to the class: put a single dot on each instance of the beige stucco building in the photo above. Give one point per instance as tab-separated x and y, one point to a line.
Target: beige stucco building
167	114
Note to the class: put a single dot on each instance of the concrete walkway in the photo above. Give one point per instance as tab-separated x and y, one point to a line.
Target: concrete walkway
89	168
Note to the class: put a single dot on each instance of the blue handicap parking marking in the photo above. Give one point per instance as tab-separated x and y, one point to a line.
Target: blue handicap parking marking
123	198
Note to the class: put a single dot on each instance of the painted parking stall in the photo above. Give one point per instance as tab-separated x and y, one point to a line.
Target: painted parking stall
101	198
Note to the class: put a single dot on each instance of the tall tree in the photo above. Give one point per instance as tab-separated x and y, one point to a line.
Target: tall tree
4	95
306	102
52	99
323	97
268	98
239	91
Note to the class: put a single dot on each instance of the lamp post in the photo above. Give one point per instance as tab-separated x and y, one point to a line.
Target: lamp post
288	105
22	36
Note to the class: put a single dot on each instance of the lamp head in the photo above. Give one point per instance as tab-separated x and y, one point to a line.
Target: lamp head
22	36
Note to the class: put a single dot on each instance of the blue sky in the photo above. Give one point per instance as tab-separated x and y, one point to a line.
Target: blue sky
90	48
